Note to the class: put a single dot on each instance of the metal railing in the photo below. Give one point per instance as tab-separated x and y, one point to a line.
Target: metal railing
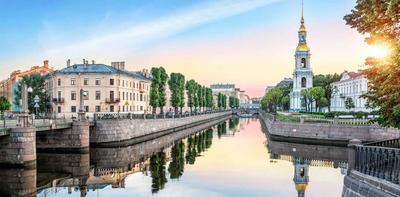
393	143
380	162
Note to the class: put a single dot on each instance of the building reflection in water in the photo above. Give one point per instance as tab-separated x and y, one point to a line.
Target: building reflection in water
303	156
111	166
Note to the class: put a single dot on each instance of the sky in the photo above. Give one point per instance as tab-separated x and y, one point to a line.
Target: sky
250	43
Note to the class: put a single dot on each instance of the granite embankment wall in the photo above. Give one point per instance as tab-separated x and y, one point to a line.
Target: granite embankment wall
357	184
320	133
122	157
138	130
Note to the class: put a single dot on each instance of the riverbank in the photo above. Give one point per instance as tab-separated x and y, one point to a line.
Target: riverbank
324	133
109	133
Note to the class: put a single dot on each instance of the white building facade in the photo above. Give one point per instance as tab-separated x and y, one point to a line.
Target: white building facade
302	75
351	85
106	88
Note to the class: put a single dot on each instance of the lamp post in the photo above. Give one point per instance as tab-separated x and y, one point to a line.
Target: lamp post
36	100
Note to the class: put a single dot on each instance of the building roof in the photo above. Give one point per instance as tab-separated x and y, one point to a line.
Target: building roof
99	69
355	74
222	86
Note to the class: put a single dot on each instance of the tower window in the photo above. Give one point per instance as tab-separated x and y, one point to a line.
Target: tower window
303	82
302	172
303	63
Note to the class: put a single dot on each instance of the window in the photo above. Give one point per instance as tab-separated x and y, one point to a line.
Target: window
59	82
111	95
98	95
73	96
85	81
86	108
112	108
59	94
86	95
73	109
141	108
303	63
303	82
97	108
98	82
59	109
73	81
141	97
123	95
111	82
302	172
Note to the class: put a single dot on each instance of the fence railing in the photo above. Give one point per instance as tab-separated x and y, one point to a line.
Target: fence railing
380	162
129	115
393	143
321	120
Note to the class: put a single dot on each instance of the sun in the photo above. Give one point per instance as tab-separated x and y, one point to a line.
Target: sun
378	51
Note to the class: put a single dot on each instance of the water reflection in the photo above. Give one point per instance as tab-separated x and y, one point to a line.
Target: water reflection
232	158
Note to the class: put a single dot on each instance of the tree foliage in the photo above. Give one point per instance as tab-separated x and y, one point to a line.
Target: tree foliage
325	82
271	100
37	83
177	86
379	20
4	106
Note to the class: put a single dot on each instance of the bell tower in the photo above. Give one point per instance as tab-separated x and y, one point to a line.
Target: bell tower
302	75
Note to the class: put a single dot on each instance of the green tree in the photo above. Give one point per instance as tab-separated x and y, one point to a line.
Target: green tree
176	87
349	103
157	90
325	81
318	95
37	83
163	82
4	106
154	93
191	93
200	96
209	98
182	91
379	20
306	99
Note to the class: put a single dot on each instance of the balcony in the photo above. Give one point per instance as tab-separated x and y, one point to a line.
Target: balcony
58	100
112	100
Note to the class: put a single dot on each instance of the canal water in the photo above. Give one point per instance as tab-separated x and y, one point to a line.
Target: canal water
233	158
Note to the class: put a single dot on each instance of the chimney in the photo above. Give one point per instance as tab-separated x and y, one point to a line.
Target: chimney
122	65
85	62
68	63
46	63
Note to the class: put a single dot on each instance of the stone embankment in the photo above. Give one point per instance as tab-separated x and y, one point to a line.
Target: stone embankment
129	131
325	134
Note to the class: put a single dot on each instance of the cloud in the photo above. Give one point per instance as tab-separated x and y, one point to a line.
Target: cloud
123	41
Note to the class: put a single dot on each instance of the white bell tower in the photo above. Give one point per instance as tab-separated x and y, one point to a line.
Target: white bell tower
302	75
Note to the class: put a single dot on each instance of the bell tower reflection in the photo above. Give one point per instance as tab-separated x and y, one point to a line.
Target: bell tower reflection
300	175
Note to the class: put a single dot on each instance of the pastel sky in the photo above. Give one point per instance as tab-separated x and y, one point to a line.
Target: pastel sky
247	42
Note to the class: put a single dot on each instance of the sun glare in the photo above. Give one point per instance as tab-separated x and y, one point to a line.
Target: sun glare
378	51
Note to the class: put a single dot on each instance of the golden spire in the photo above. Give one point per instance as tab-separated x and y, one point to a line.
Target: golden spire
302	27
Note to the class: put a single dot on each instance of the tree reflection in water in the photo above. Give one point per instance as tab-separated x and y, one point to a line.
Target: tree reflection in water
196	144
157	169
177	164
